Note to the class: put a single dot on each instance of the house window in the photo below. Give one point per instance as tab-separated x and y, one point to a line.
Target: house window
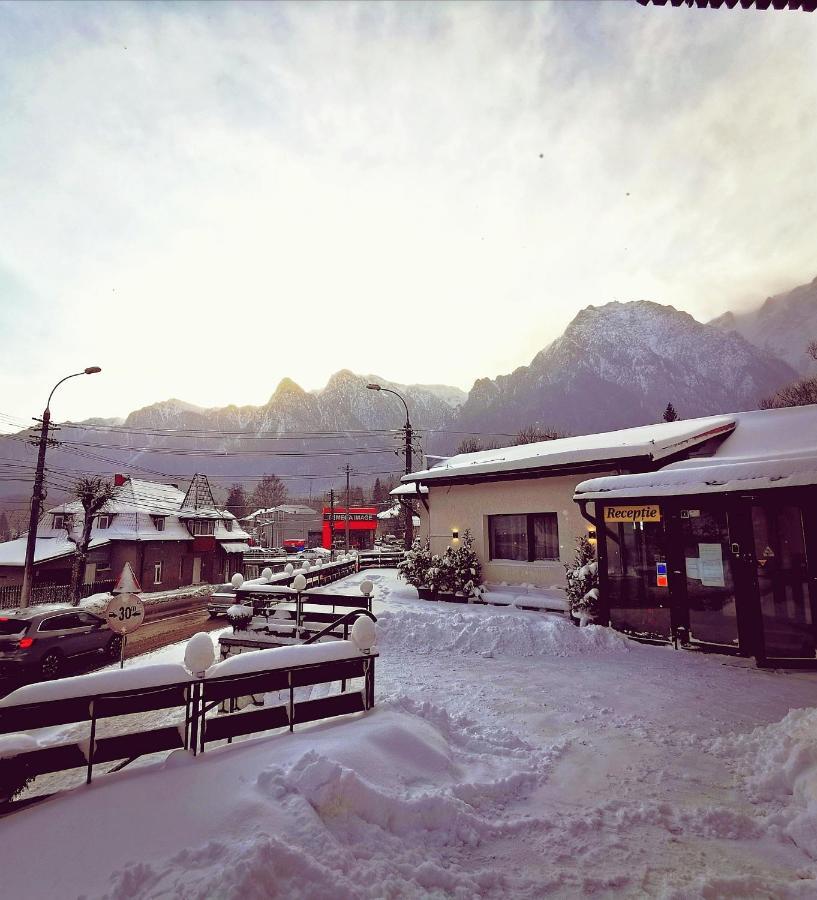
104	522
159	522
204	526
228	524
63	520
528	537
157	573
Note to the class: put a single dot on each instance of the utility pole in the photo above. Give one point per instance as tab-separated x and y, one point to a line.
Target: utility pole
348	469
37	492
332	525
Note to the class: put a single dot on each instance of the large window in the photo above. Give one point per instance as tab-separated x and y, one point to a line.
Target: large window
528	537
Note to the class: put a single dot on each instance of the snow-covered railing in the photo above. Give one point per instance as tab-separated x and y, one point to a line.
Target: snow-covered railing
109	695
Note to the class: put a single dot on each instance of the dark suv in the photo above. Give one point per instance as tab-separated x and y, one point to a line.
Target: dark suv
40	642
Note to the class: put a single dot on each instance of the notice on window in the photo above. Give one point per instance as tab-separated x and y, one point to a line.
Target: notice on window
710	565
693	568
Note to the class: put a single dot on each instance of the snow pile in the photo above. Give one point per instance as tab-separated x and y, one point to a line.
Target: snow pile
778	766
478	630
404	802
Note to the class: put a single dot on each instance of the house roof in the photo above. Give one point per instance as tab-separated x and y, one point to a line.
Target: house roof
13	553
769	448
649	442
412	489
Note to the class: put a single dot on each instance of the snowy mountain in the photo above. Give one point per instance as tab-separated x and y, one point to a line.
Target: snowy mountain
783	325
619	365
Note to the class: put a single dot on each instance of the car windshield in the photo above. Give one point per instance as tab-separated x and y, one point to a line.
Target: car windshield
12	626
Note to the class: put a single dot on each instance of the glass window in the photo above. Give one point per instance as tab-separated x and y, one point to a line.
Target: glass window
12	626
203	527
508	537
86	618
159	522
638	605
60	623
103	522
157	573
528	537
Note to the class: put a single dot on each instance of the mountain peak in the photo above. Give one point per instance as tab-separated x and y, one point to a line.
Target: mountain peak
287	388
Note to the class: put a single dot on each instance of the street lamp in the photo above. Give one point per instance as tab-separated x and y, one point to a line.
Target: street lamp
407	429
37	493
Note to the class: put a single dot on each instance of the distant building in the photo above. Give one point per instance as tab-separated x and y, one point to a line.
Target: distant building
170	538
361	523
289	522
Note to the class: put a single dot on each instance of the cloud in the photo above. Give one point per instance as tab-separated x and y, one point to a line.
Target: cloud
209	197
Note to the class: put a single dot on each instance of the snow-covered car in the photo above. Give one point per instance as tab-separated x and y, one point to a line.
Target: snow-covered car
34	641
222	598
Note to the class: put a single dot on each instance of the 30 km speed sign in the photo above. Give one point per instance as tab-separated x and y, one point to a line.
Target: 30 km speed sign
124	613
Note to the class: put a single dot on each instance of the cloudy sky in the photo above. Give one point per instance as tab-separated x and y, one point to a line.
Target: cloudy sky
203	199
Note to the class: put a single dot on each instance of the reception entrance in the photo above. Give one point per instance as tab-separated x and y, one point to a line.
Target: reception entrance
725	573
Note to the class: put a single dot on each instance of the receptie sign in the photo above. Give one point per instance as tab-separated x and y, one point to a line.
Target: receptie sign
648	512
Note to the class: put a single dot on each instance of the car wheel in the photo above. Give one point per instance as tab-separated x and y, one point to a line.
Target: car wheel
113	649
51	664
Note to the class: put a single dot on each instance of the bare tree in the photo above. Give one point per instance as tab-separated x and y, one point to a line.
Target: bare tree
470	445
270	491
533	434
93	493
812	349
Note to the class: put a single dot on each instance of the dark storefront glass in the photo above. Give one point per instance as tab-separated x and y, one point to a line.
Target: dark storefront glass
638	604
709	578
782	578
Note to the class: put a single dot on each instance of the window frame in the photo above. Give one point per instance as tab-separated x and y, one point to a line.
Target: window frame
65	519
159	522
530	518
208	524
158	570
108	517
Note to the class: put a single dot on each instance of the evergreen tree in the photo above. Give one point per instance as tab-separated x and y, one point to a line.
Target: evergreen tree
583	580
378	494
5	531
270	491
237	501
414	566
670	415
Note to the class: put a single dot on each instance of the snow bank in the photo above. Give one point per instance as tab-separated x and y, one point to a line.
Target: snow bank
94	683
778	766
478	630
15	744
284	657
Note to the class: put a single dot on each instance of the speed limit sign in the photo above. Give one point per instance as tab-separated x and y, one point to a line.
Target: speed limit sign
124	613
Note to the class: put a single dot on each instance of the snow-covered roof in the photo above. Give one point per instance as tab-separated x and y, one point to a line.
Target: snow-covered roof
769	448
391	513
412	489
652	442
13	553
235	546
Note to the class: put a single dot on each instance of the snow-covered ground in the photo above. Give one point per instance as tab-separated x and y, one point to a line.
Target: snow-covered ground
510	754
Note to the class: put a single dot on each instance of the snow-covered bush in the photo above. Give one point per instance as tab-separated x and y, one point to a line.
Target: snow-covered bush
583	581
414	566
239	616
465	570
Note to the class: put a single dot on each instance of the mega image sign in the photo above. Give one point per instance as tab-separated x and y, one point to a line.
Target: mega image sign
648	512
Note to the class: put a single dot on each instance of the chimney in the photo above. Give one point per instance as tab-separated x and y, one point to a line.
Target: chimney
119	480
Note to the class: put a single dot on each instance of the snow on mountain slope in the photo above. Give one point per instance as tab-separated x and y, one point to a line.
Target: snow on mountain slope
618	365
783	325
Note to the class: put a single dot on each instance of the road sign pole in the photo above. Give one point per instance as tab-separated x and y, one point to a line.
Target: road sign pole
122	651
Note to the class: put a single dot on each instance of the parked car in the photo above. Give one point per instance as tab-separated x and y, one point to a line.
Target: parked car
41	642
222	598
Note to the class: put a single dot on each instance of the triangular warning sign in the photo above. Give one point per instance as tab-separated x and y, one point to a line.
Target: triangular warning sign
127	583
768	552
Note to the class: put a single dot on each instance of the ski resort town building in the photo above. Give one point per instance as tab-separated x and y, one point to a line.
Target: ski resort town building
287	524
171	538
517	501
719	551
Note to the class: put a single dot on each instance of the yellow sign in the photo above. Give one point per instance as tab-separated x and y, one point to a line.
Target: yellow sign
650	512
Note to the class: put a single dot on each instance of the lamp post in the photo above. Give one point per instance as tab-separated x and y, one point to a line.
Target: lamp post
409	534
37	493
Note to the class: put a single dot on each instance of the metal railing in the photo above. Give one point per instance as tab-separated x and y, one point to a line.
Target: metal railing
50	593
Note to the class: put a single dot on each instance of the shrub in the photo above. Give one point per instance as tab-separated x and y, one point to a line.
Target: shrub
583	581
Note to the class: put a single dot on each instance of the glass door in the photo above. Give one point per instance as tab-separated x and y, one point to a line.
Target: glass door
782	578
710	582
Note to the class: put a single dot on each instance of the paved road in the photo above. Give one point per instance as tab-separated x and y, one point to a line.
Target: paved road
162	632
